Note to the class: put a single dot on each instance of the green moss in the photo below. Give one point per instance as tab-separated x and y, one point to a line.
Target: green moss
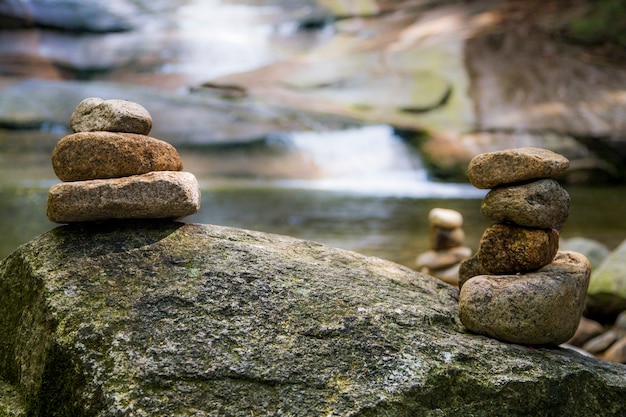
604	22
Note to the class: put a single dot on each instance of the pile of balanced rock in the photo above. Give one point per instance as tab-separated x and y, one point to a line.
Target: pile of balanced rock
446	251
111	169
518	287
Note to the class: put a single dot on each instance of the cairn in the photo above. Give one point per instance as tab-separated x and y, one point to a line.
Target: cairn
518	287
111	169
446	251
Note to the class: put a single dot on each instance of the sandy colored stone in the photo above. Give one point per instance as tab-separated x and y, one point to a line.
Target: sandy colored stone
617	352
537	308
446	218
508	249
95	114
162	194
511	166
433	260
541	204
441	238
98	155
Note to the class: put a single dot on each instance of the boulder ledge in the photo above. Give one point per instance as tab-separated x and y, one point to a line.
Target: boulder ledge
162	318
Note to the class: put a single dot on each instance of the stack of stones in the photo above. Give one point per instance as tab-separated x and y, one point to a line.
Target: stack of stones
111	169
518	287
446	251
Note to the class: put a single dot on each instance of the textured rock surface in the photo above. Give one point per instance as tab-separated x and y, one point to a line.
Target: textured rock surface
470	268
98	155
144	318
542	307
511	166
607	288
507	249
541	204
95	114
161	194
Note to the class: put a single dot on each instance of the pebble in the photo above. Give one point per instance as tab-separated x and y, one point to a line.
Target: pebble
511	166
538	204
434	260
441	238
95	114
587	330
159	194
506	248
98	155
617	351
537	308
445	218
470	268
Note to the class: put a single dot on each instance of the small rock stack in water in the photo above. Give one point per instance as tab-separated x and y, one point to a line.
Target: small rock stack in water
446	246
112	170
518	287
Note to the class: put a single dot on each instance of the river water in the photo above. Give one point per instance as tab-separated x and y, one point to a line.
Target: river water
361	189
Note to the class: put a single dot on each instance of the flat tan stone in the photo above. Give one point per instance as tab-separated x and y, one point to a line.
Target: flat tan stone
512	166
509	249
100	155
95	114
162	194
537	308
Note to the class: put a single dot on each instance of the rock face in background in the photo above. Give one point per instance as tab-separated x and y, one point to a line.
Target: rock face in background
166	318
464	78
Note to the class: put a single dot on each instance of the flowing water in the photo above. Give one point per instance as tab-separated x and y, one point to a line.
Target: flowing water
361	189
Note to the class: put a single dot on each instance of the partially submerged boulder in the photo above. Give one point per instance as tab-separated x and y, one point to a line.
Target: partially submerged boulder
163	318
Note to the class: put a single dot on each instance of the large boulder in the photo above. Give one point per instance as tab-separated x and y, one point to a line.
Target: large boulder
165	318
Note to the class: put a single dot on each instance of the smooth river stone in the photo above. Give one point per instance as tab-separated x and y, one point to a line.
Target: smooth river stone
511	166
537	308
440	259
162	194
540	204
509	249
95	114
446	218
441	238
100	155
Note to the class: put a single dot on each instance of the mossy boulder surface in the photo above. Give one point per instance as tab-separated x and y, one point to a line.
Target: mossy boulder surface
172	319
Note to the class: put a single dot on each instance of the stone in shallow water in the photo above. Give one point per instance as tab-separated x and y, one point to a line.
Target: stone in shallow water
511	166
537	308
161	194
99	155
95	114
541	204
508	249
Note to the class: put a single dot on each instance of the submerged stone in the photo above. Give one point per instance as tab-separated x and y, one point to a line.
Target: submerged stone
160	194
100	155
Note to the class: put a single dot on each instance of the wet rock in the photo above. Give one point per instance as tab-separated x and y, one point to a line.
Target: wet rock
159	194
512	166
607	289
165	319
540	204
95	114
99	155
506	248
542	307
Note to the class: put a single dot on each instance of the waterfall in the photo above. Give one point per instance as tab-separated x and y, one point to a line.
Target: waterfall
368	160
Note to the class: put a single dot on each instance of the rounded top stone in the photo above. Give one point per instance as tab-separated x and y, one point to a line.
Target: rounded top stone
95	114
445	218
512	166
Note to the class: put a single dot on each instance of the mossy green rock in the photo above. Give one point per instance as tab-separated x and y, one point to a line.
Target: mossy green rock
172	319
606	297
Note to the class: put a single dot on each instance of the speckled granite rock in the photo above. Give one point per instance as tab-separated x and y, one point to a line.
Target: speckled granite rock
95	114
